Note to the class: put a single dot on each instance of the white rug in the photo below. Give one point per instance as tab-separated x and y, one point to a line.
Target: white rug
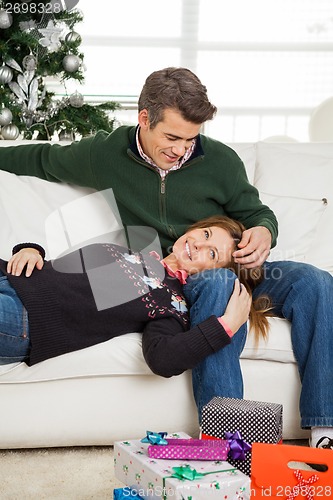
57	474
62	473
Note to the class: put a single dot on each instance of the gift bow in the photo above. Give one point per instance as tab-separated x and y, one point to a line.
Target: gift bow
155	438
238	447
303	487
186	472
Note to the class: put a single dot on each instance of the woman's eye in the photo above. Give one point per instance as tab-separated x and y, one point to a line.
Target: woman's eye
206	233
212	254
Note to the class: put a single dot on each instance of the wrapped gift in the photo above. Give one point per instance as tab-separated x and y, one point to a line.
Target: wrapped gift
190	449
275	473
159	479
242	422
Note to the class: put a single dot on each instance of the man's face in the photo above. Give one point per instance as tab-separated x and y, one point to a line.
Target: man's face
167	142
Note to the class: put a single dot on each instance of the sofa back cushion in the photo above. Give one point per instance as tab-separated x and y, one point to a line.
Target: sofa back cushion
296	181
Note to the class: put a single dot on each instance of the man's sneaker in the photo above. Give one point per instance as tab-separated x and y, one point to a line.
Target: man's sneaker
326	443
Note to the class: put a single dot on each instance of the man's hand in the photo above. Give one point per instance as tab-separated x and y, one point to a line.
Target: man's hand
29	257
254	247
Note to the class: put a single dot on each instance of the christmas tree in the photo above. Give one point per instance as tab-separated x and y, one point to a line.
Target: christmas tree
38	40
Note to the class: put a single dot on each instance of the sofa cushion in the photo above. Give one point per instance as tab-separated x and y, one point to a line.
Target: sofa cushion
118	356
247	153
277	346
123	356
301	172
298	221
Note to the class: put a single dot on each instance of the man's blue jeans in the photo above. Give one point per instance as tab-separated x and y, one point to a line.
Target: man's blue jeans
14	326
301	293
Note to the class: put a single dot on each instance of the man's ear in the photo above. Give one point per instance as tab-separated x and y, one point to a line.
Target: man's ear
143	119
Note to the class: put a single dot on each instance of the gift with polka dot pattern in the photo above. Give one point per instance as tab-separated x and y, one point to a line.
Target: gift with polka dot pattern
256	421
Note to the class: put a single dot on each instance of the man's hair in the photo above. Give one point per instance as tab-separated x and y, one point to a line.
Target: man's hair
179	89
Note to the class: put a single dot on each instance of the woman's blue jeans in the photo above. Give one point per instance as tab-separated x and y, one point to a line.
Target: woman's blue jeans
14	326
302	294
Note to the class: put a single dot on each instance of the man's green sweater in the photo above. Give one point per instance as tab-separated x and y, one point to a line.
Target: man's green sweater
213	181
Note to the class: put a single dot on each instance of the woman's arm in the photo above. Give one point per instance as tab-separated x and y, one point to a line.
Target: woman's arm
169	349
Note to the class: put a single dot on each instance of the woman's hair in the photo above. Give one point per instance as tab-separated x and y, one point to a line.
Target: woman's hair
261	307
175	88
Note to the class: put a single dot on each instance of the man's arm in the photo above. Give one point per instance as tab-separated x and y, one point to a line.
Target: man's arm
51	162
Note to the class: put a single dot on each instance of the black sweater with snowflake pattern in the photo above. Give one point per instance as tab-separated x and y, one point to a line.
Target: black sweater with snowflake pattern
102	291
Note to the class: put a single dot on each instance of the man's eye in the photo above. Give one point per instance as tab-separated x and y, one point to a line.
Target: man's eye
212	254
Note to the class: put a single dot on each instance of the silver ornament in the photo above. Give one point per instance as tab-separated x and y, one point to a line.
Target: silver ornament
73	36
6	19
5	116
71	63
66	135
6	74
10	132
76	100
29	62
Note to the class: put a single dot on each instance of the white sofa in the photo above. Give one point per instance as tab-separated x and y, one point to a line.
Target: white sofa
106	392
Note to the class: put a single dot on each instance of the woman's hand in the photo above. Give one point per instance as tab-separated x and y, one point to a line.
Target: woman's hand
238	308
29	257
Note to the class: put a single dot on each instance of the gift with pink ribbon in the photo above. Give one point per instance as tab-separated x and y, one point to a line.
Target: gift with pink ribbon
191	449
166	479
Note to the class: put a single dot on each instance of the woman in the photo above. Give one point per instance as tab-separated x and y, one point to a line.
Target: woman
51	308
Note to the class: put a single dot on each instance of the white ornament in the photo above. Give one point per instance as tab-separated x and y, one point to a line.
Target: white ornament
76	100
29	62
6	19
10	132
73	36
51	36
27	25
6	74
5	116
71	63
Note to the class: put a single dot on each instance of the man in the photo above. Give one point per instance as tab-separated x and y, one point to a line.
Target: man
163	173
166	175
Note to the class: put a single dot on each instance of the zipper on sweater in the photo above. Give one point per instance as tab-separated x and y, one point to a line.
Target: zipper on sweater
163	200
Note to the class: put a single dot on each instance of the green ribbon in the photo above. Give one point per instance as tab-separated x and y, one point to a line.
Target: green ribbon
187	473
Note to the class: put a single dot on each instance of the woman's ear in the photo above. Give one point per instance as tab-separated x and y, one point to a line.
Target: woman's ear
143	119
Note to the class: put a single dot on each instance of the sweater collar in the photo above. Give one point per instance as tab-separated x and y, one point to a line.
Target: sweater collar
180	274
198	150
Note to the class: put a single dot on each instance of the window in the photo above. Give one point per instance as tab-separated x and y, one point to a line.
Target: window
266	63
